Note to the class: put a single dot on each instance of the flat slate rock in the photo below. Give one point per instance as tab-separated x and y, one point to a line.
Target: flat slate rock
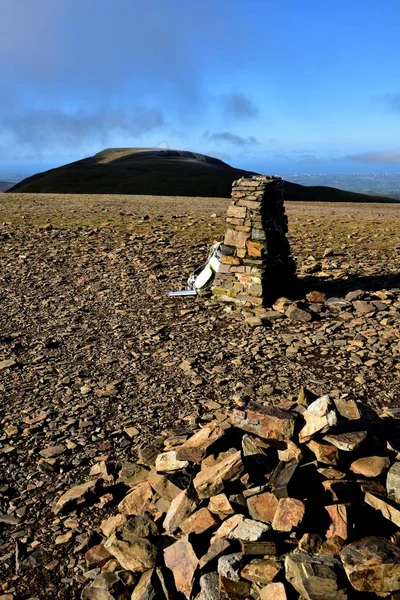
372	564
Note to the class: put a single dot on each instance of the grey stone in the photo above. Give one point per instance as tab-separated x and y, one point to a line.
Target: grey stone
393	482
209	587
249	530
230	565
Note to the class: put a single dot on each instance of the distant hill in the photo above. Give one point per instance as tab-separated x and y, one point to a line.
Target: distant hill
5	185
162	172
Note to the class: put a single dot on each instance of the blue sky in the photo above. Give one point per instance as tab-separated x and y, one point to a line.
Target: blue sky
278	86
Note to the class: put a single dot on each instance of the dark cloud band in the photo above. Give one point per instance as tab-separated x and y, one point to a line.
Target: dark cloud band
389	157
230	138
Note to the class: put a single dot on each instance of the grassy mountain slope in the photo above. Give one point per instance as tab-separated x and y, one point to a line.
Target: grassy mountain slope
162	172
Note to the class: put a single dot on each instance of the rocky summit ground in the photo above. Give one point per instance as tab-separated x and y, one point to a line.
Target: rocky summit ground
95	359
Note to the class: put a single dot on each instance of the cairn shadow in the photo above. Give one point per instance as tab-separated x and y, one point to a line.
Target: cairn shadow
297	289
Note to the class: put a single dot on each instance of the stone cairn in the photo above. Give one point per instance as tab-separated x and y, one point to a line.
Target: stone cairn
256	260
289	502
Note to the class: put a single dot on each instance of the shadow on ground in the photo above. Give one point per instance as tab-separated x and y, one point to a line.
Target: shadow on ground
341	287
333	288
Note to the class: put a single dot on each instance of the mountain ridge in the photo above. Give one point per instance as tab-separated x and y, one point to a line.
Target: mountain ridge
164	172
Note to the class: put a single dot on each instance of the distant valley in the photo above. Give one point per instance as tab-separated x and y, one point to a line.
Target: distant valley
376	184
5	185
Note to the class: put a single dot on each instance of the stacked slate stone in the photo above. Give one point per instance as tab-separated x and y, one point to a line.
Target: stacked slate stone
299	501
256	261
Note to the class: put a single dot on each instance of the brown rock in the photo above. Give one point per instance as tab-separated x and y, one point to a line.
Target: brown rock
331	473
216	548
260	548
220	505
161	505
273	591
348	409
52	451
374	487
261	570
212	460
316	297
103	587
262	507
389	512
238	212
346	441
140	526
255	248
234	590
372	565
338	516
304	397
236	238
265	421
288	515
228	526
253	322
294	313
7	363
195	448
149	453
164	488
137	500
315	577
144	589
99	469
255	449
182	561
198	522
290	452
229	260
77	491
108	526
282	304
333	546
310	543
137	555
363	307
181	507
131	431
210	481
168	593
131	474
64	538
370	466
324	452
97	556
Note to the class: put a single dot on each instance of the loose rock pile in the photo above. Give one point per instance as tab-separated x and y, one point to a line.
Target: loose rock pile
256	256
296	501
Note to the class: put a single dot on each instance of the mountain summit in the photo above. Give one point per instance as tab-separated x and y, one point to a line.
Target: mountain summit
162	172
